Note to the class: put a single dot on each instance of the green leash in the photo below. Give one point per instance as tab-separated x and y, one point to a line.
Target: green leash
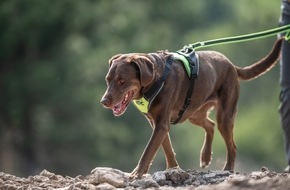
241	38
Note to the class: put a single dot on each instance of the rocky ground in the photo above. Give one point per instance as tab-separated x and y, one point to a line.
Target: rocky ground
109	178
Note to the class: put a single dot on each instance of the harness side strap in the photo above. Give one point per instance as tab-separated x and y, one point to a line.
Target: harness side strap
194	67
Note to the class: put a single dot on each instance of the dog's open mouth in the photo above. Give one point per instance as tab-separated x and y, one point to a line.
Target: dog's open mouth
121	107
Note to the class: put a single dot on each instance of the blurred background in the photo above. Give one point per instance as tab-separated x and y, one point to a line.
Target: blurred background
53	60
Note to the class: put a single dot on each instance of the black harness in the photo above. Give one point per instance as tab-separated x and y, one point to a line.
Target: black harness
191	63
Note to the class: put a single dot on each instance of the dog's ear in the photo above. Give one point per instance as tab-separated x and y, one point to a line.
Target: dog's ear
113	58
145	67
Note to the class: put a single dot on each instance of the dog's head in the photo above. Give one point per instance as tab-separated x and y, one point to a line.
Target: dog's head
127	75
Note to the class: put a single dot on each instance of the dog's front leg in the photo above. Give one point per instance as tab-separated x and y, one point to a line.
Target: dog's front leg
171	161
158	136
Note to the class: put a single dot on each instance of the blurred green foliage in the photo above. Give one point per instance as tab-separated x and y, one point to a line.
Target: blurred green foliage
53	60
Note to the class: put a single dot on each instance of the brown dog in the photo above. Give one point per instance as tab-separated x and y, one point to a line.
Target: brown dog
217	85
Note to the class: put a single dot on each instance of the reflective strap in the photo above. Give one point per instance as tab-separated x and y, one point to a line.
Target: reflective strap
142	105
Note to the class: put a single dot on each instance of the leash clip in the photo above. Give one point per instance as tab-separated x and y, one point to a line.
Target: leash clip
186	51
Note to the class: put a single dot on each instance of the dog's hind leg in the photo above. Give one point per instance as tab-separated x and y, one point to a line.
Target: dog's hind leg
226	111
200	118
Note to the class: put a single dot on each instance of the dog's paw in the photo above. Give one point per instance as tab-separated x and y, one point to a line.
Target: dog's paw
204	164
205	159
136	174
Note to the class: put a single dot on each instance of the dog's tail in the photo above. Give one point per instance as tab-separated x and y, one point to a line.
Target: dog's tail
262	66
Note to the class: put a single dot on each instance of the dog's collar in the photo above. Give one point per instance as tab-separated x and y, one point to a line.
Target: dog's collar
190	62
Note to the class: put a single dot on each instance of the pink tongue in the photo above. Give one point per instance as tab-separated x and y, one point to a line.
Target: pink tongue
118	109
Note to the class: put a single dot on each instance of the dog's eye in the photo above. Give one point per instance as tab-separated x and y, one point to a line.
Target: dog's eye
121	82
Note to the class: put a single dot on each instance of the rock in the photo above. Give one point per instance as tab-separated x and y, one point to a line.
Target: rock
47	173
63	188
171	177
159	177
79	178
40	178
177	176
111	176
209	175
75	186
238	180
168	183
105	186
264	169
145	183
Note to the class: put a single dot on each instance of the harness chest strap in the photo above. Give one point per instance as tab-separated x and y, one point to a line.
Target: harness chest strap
143	104
191	65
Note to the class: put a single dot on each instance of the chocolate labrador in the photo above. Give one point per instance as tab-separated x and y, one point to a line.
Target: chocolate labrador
217	85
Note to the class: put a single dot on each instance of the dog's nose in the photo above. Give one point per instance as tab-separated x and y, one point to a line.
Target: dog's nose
105	101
